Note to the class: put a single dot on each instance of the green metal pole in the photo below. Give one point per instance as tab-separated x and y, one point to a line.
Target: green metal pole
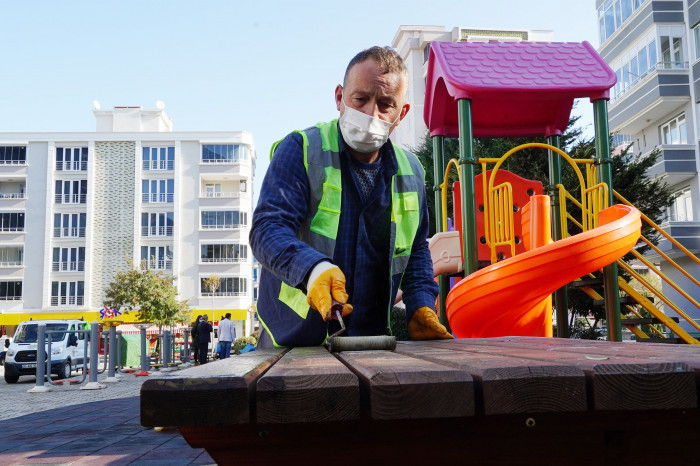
467	163
561	301
438	176
610	272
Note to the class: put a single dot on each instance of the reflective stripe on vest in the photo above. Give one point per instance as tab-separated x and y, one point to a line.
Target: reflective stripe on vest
320	228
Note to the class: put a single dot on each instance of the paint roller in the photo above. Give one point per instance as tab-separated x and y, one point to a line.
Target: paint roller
337	343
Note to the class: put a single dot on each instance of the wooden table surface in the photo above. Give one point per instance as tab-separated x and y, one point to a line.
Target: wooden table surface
509	400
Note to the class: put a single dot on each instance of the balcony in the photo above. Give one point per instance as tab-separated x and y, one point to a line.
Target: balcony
67	300
237	226
158	165
11	256
70	198
11	263
156	231
12	189
13	196
69	232
72	266
156	198
686	233
650	97
71	166
226	169
676	163
221	260
163	264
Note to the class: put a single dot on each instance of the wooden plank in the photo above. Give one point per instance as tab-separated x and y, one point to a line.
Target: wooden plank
308	385
217	393
508	385
617	382
610	437
396	386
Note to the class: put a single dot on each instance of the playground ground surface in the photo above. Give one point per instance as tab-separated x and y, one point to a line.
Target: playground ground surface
70	426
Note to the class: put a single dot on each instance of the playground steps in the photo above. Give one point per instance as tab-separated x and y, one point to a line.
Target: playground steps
669	340
633	324
623	300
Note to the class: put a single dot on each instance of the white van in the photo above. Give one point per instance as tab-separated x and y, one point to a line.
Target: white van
67	348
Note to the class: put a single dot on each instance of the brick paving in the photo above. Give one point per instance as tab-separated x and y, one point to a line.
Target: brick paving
70	426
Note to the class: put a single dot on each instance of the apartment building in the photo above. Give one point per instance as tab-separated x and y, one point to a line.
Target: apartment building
77	207
413	45
654	48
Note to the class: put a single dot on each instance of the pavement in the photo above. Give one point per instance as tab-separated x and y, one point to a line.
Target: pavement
70	426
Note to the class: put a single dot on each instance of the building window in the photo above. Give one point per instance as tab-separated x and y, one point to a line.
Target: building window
682	208
426	52
696	41
67	293
11	256
612	13
228	286
69	225
71	192
224	253
224	153
212	190
68	259
223	219
158	158
13	155
674	131
156	257
637	66
157	191
672	54
71	158
11	291
12	221
157	224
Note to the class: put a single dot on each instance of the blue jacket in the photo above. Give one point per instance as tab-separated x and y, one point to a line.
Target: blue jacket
362	245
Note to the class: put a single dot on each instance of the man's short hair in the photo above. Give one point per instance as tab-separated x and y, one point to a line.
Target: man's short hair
386	57
228	315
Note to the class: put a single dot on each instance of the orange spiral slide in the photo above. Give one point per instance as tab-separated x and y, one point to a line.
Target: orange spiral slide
513	297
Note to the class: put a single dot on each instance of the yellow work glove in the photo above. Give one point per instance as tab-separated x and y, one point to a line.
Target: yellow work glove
326	285
424	325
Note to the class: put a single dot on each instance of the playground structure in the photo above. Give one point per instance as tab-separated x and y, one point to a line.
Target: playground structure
528	90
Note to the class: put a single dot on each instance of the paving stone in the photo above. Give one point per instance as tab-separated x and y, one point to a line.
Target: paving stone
85	427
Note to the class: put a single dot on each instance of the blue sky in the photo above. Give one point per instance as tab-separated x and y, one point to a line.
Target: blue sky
267	67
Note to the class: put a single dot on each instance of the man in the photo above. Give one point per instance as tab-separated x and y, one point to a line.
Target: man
204	330
342	216
227	334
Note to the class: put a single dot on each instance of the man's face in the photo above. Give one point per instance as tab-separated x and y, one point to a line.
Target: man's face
374	93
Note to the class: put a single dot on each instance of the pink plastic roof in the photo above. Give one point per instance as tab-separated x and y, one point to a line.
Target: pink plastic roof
516	88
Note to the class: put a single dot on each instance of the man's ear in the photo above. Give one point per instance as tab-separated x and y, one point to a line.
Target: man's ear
404	110
338	96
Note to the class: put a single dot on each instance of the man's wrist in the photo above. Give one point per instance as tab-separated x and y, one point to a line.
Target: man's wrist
317	271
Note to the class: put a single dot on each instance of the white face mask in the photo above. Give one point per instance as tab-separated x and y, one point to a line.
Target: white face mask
363	132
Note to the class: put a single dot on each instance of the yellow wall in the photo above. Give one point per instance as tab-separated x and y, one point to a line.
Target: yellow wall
126	317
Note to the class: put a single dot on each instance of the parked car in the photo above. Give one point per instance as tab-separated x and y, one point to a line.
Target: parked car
67	349
4	351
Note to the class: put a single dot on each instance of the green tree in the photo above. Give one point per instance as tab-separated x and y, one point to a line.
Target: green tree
630	179
152	294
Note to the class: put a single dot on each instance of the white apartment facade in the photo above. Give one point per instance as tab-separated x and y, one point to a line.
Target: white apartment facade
76	207
413	45
654	48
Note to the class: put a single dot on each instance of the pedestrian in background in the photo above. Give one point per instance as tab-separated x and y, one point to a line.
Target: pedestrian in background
227	334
